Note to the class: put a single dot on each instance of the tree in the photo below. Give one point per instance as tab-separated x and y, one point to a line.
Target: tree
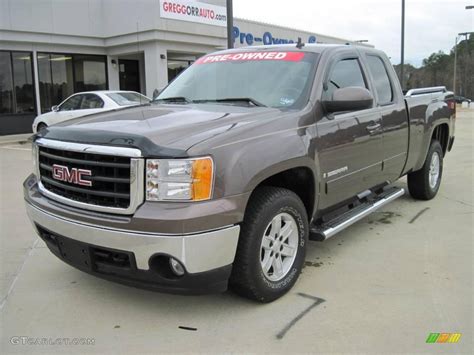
438	70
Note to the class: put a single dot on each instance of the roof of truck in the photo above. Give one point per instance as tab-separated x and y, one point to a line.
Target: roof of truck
308	47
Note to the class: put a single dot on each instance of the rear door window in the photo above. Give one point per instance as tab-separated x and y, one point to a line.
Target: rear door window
91	101
382	83
128	98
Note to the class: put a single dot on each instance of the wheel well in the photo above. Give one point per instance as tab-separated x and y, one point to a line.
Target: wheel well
441	134
40	126
300	181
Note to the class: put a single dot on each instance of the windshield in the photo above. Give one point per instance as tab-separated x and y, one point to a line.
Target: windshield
128	98
273	79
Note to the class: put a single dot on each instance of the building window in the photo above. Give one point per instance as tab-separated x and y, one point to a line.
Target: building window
61	75
16	83
176	67
90	73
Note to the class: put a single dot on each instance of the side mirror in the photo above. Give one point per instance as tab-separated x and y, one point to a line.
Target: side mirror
156	93
55	108
352	98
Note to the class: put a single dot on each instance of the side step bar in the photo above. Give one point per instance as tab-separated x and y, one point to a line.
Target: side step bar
328	229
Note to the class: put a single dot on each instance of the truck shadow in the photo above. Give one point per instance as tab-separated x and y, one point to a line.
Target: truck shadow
192	311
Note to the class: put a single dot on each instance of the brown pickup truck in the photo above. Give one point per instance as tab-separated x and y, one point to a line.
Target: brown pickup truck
226	175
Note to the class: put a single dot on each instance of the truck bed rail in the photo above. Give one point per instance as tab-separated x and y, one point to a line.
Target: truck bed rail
423	91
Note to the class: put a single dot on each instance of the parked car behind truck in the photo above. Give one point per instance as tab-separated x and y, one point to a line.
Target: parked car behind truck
224	178
88	103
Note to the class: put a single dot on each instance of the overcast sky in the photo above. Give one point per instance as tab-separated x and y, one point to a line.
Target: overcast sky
431	25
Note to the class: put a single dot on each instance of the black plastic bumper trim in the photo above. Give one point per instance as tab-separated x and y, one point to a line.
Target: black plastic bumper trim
90	259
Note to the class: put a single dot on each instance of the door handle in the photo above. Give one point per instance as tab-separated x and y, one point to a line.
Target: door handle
373	126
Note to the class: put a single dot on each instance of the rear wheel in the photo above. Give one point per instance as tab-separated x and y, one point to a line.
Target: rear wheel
424	183
272	245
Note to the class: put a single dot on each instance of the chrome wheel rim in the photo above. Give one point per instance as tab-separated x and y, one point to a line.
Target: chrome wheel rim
434	170
279	247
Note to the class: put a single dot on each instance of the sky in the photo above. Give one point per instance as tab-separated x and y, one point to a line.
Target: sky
430	25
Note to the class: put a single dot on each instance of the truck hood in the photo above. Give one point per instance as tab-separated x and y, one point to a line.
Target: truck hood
162	129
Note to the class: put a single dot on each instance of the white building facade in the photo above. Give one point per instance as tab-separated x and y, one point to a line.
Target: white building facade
50	49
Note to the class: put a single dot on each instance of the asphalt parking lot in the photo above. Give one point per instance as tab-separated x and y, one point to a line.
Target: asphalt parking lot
380	286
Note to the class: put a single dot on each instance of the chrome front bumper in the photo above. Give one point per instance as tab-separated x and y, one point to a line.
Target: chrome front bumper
197	252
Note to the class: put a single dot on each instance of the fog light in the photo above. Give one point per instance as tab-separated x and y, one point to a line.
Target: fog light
176	267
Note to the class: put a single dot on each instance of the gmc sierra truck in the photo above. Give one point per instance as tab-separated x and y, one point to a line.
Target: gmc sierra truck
226	175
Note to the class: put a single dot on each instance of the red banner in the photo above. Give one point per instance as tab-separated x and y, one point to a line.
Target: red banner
252	56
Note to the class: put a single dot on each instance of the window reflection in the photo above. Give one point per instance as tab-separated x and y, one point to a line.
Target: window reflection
61	75
6	83
16	83
23	80
90	73
45	80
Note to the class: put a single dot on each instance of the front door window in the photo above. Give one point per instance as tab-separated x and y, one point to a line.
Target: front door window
71	104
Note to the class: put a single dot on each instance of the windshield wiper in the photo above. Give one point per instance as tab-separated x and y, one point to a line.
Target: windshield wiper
175	99
233	99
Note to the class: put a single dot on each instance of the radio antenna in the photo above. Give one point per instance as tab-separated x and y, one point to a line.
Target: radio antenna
138	55
300	43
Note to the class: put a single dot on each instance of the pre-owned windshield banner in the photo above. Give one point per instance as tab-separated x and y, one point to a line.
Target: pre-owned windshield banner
252	56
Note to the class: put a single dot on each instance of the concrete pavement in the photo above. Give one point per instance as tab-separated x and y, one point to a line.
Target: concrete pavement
380	286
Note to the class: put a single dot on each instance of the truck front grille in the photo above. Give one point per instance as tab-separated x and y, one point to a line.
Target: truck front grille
84	177
110	177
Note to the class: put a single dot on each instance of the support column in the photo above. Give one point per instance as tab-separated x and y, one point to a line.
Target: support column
36	82
156	68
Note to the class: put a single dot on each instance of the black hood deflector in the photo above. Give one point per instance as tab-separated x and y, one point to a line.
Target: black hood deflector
100	137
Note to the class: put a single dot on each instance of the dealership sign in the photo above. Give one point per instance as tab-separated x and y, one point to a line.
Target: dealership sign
194	11
247	38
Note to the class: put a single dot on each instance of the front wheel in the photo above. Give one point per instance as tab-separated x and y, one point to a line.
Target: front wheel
272	245
424	184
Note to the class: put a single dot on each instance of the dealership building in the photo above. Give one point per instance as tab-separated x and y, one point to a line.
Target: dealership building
51	49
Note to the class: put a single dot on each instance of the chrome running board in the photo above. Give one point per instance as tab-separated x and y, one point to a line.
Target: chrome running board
330	228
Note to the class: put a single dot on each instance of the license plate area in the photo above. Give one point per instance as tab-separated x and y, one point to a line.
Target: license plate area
89	257
75	253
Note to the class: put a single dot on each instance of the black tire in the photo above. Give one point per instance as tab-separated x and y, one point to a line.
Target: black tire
248	278
419	181
41	126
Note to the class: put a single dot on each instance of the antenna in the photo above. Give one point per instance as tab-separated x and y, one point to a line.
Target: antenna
138	55
300	43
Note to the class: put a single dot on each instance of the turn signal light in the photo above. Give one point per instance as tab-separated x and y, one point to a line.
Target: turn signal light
202	179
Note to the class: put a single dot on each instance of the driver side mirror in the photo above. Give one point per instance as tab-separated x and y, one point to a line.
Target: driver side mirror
352	98
156	93
55	108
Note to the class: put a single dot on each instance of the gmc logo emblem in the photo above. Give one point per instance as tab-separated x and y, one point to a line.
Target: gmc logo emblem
73	175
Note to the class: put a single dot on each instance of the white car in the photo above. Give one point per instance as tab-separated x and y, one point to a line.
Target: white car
86	103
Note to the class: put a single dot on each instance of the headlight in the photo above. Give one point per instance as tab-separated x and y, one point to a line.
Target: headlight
179	180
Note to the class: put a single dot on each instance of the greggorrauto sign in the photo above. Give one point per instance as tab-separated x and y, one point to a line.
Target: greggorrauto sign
194	11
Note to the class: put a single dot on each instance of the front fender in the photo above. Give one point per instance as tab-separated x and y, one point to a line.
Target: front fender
245	165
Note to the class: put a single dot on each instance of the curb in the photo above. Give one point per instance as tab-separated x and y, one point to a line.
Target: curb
15	138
